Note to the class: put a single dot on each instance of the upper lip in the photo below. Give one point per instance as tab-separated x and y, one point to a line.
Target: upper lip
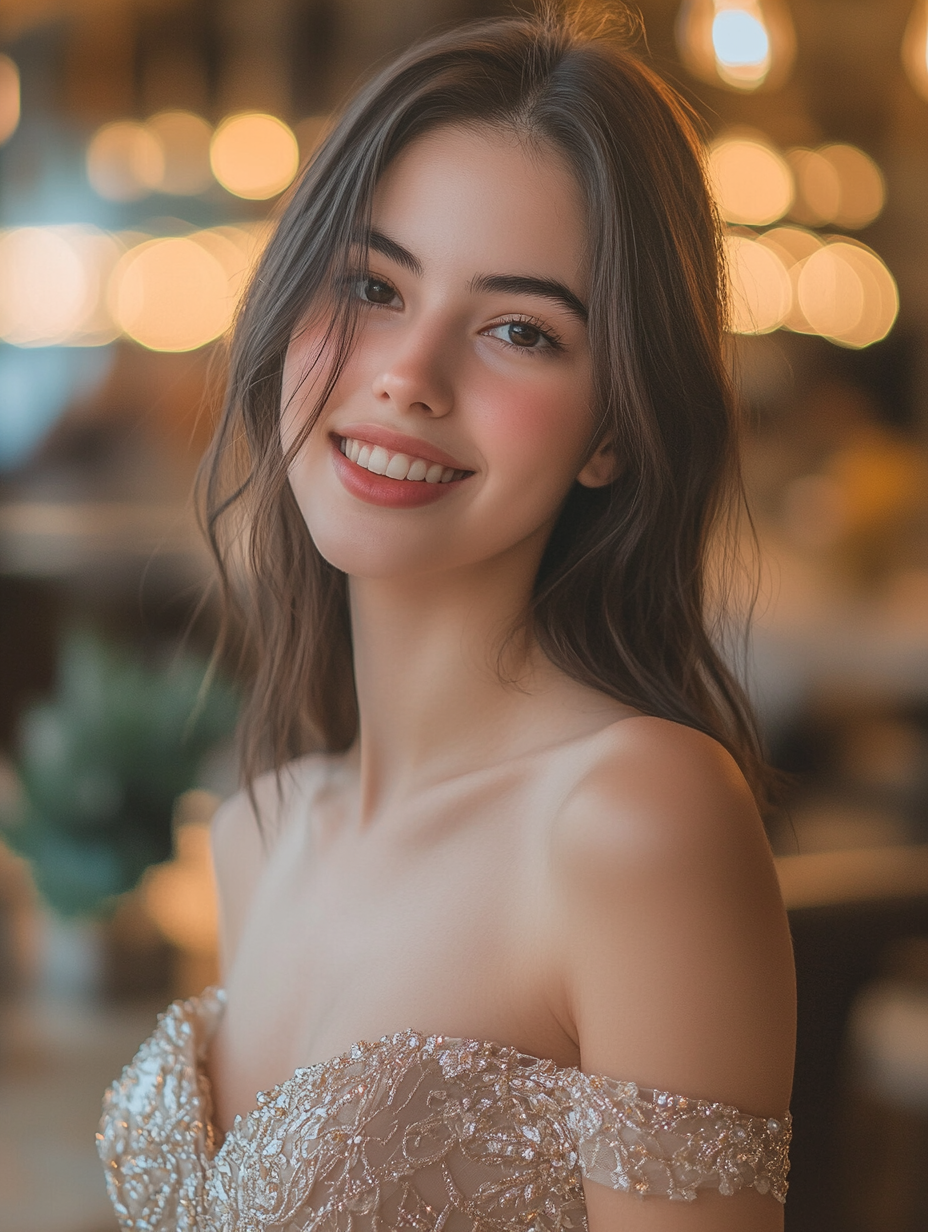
397	442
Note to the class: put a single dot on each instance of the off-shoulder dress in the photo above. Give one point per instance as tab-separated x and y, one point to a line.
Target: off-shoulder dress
414	1131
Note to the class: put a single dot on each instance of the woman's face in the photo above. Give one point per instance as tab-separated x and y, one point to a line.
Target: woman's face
463	414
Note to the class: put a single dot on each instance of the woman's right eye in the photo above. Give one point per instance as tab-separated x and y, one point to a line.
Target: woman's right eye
374	290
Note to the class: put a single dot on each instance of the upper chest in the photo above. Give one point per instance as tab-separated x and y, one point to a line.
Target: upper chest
439	921
432	885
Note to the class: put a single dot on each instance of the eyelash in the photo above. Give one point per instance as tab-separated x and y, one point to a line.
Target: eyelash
553	339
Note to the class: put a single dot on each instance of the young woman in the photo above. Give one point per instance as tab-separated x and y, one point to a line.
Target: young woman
478	440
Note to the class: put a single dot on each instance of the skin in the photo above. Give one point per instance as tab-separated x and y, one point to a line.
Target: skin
520	859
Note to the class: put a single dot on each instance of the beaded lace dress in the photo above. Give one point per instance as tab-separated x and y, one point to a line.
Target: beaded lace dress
412	1132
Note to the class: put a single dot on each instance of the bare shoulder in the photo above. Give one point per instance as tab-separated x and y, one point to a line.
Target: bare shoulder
660	787
242	839
677	959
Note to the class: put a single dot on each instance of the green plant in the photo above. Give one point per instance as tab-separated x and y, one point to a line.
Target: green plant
102	763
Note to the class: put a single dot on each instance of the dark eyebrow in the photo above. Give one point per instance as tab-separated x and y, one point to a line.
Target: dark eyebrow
519	284
378	242
511	284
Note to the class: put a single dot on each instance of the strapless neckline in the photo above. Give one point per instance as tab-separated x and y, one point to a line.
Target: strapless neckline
409	1131
434	1045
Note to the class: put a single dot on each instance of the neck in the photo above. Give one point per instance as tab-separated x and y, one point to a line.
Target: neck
443	682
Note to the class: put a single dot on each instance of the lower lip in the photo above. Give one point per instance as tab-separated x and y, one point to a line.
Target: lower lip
380	490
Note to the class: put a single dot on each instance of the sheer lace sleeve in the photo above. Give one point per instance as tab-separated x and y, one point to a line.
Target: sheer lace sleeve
649	1142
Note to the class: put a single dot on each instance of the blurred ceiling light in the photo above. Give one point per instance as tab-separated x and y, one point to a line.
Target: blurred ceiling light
915	48
862	188
254	155
9	98
836	184
44	288
742	44
752	182
881	296
170	295
99	254
818	188
792	245
847	294
184	139
760	288
125	161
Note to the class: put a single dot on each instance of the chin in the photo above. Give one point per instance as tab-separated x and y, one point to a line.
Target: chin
362	549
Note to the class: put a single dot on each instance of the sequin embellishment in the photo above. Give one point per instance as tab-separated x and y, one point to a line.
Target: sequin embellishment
414	1131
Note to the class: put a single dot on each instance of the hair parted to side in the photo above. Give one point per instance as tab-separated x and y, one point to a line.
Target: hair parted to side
620	602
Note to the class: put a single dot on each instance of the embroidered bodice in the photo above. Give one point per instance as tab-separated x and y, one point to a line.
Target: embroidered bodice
414	1131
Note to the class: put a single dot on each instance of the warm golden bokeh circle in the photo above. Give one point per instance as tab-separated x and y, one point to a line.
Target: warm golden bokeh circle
171	295
255	156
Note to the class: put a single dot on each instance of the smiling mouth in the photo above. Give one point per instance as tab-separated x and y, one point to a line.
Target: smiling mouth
401	466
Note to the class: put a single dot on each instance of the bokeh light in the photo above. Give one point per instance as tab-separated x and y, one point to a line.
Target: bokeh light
9	98
792	245
45	292
171	295
862	188
818	188
760	287
881	296
254	155
836	184
184	139
915	48
741	45
99	254
125	161
751	181
831	294
847	294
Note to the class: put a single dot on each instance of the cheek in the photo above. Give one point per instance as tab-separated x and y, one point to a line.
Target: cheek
540	431
302	383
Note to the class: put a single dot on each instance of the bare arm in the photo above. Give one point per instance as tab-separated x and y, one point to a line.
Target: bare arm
677	962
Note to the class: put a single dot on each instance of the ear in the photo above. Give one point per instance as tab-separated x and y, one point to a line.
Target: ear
601	468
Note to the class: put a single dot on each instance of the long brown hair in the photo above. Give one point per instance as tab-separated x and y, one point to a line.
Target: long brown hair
620	601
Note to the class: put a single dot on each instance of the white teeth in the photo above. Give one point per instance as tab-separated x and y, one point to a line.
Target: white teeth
379	461
397	467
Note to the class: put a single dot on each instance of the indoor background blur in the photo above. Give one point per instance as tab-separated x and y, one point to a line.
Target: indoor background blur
144	147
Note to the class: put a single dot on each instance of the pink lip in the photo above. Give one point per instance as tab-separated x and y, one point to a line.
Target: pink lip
396	442
379	490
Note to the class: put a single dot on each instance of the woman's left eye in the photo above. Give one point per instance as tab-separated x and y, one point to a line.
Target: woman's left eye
524	336
374	290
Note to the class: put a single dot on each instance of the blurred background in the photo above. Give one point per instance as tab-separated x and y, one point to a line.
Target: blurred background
144	148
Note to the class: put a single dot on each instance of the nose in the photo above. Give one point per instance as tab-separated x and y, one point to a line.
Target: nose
416	376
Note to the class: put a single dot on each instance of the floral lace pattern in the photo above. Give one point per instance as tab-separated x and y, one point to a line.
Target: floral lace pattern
415	1132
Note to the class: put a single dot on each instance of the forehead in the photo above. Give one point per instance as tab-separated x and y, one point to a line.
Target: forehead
487	200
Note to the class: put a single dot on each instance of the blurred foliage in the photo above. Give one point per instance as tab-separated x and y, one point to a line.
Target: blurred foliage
101	764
